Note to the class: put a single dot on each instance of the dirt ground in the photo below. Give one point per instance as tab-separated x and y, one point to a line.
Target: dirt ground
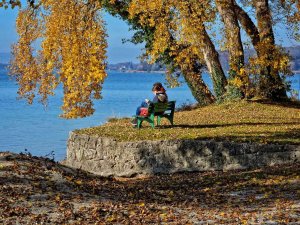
37	190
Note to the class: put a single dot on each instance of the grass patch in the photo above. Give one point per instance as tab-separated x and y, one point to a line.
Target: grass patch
241	122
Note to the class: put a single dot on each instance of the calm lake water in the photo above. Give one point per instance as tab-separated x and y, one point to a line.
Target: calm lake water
41	131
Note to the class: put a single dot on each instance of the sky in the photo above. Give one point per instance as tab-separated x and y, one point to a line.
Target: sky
116	29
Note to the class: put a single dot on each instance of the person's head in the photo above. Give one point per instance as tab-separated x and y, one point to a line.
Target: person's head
158	87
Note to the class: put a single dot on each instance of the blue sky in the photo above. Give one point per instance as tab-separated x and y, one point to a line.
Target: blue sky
116	29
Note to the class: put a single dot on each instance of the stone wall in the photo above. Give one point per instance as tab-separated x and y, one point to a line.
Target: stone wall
106	156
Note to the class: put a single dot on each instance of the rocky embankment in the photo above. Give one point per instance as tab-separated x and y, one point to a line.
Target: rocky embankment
108	157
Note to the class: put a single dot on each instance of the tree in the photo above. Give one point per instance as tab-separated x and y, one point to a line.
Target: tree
238	78
167	45
261	77
270	83
10	3
73	43
179	32
270	61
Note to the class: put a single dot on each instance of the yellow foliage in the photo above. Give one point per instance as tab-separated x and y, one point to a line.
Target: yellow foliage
236	82
179	27
279	61
72	52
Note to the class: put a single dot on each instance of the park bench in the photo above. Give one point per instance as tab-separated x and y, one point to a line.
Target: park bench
159	110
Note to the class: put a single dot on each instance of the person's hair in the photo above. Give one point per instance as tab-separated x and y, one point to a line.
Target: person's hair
158	87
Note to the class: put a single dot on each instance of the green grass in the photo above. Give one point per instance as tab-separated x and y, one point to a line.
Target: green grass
241	122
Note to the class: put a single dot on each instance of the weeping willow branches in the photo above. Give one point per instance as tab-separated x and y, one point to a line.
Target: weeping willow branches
72	52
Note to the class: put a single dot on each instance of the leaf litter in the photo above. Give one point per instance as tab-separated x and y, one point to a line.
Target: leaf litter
36	190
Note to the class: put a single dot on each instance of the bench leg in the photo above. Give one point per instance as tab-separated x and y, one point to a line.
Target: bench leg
139	123
171	120
147	119
158	120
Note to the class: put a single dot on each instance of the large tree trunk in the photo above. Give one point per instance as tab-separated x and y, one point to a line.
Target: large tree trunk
190	68
248	26
199	89
211	58
270	83
234	42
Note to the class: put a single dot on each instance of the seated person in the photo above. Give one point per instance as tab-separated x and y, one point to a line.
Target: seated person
160	95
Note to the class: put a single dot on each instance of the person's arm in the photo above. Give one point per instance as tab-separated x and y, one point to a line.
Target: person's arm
144	104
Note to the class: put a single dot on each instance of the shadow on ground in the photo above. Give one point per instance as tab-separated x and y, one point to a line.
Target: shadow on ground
42	191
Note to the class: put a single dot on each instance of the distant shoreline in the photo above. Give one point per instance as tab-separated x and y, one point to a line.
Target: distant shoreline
296	72
139	71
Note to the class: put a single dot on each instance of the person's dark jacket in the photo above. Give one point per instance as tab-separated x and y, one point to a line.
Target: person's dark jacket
160	97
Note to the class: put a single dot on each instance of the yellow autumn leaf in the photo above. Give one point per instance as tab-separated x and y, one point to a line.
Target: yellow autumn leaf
79	182
142	204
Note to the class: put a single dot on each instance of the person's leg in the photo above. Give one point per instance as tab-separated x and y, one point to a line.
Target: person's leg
138	110
144	105
137	113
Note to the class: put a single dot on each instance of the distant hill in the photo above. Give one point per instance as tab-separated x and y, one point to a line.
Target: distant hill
129	66
145	67
293	51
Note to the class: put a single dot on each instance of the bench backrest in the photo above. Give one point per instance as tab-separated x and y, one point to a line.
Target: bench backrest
161	107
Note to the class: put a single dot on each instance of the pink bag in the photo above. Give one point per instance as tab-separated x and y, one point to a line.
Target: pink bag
144	112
